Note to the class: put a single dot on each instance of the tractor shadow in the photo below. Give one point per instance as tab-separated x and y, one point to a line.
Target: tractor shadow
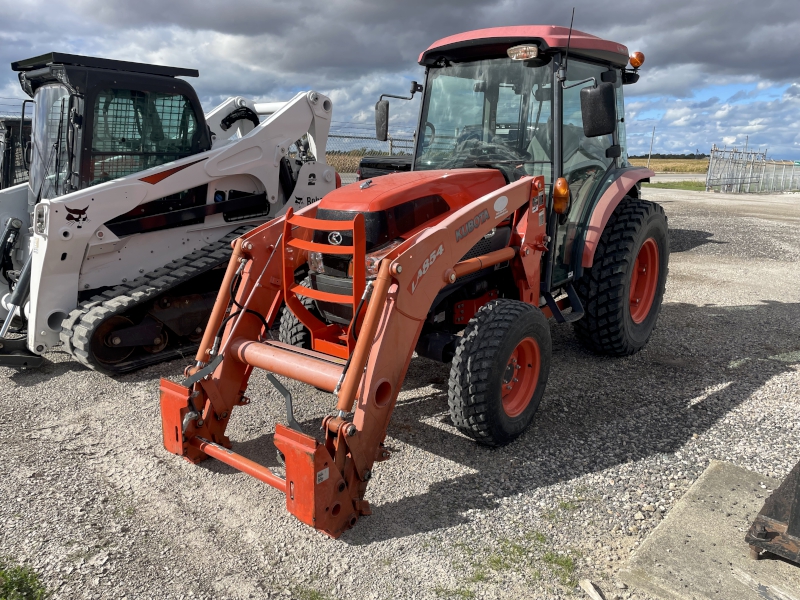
597	413
683	240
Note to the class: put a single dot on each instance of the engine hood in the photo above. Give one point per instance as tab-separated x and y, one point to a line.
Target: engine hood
457	187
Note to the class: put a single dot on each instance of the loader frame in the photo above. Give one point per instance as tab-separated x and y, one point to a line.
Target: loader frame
326	480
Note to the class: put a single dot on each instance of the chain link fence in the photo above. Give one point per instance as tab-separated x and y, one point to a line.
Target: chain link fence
750	172
345	150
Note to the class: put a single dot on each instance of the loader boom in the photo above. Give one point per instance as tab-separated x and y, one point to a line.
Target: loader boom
325	482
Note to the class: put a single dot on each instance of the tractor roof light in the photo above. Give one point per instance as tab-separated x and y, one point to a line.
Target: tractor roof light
523	52
636	60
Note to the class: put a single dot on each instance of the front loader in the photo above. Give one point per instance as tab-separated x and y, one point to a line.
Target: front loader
520	207
116	246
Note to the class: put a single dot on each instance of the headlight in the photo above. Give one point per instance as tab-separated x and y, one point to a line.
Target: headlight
373	260
315	262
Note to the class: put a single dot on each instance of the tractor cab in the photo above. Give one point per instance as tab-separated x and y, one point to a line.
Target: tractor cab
96	119
528	100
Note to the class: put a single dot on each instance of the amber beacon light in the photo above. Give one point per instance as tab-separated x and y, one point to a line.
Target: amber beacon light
636	60
561	196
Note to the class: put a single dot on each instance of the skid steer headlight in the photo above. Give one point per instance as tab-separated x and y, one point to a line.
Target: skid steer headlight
315	262
373	260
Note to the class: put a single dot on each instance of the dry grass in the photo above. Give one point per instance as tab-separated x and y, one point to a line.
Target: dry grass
348	163
343	163
673	165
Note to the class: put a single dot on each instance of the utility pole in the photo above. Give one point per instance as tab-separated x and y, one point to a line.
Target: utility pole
649	154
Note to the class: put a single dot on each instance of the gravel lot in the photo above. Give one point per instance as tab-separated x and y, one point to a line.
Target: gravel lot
92	501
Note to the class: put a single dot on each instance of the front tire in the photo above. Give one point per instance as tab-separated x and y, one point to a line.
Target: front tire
499	372
623	291
291	330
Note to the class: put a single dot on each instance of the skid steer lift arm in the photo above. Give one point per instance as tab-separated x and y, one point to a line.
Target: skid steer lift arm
326	481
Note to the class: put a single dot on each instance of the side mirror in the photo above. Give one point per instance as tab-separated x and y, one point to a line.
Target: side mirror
598	109
382	120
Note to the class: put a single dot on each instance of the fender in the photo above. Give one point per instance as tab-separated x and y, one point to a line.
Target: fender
608	202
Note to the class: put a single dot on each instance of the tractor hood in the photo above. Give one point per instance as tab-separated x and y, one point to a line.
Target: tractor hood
457	188
397	205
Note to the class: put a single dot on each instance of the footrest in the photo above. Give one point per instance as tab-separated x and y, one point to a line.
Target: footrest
15	354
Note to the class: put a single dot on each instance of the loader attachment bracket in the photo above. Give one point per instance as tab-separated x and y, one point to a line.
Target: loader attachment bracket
14	353
776	528
316	493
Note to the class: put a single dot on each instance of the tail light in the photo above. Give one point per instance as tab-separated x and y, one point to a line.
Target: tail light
338	181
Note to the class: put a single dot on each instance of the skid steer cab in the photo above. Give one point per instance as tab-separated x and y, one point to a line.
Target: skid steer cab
14	132
520	207
116	246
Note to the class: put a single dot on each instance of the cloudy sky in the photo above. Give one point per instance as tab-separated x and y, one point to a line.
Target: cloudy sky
716	70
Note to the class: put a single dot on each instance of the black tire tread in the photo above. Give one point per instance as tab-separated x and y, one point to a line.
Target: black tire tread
291	330
471	369
602	288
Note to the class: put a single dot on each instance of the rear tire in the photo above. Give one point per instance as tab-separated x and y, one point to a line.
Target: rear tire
292	331
499	372
623	291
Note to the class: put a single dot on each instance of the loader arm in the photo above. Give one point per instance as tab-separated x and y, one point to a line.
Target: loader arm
326	481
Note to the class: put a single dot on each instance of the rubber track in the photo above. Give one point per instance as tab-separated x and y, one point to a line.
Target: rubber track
78	328
468	386
602	288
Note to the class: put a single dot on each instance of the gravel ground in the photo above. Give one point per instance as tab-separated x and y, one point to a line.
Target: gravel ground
92	501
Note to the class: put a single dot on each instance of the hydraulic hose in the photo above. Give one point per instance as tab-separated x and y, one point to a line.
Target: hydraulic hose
19	296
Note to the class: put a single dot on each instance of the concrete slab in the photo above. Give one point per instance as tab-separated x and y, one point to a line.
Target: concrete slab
699	552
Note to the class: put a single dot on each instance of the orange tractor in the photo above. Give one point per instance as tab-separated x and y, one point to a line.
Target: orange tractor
520	207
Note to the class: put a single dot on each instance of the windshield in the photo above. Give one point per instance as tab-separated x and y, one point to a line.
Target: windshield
49	160
488	113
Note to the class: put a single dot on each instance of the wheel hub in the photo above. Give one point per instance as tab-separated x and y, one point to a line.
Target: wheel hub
644	281
520	378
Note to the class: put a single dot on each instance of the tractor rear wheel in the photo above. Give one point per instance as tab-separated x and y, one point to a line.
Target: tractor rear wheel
499	371
292	331
623	290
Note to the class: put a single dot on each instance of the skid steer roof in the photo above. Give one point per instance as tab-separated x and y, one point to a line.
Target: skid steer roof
59	58
495	41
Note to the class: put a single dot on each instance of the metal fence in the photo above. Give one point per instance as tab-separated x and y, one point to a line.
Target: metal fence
746	171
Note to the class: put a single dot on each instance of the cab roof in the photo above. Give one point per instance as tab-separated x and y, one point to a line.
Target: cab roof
495	41
59	58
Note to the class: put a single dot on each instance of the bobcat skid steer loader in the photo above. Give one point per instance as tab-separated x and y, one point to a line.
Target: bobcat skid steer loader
112	249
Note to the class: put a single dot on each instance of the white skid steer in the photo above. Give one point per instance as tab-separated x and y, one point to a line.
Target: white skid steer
113	247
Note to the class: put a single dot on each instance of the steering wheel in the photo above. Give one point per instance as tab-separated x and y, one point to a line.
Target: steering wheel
429	141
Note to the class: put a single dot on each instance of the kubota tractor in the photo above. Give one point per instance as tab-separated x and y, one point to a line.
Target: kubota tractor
521	206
